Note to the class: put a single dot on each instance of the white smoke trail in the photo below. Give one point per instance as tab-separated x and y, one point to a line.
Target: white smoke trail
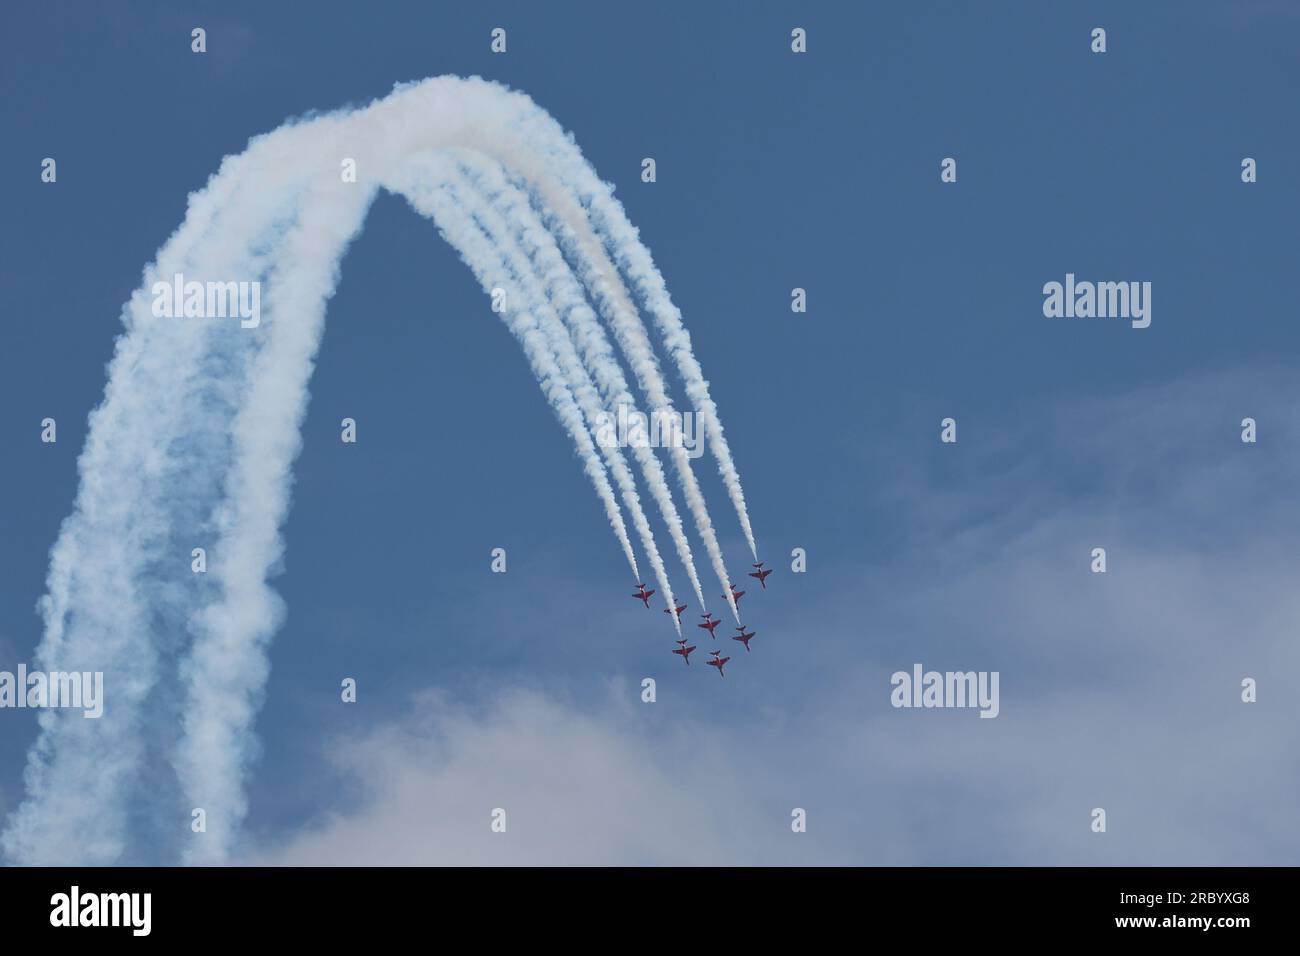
108	588
194	442
227	668
561	288
608	217
435	187
426	186
631	335
535	147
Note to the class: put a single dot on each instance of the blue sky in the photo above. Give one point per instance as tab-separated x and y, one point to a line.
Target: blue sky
774	171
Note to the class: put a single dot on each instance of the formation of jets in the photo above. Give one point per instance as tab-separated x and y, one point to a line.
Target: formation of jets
710	623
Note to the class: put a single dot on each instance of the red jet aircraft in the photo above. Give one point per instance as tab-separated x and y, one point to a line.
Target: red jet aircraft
760	574
743	637
643	595
710	622
716	661
735	595
680	608
684	650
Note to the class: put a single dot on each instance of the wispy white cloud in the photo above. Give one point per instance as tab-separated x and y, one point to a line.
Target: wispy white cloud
1119	691
583	787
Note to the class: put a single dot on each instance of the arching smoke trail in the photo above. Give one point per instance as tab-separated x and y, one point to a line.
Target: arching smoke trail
534	146
434	188
565	162
528	237
113	603
459	210
555	169
226	672
635	260
612	299
558	383
193	443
